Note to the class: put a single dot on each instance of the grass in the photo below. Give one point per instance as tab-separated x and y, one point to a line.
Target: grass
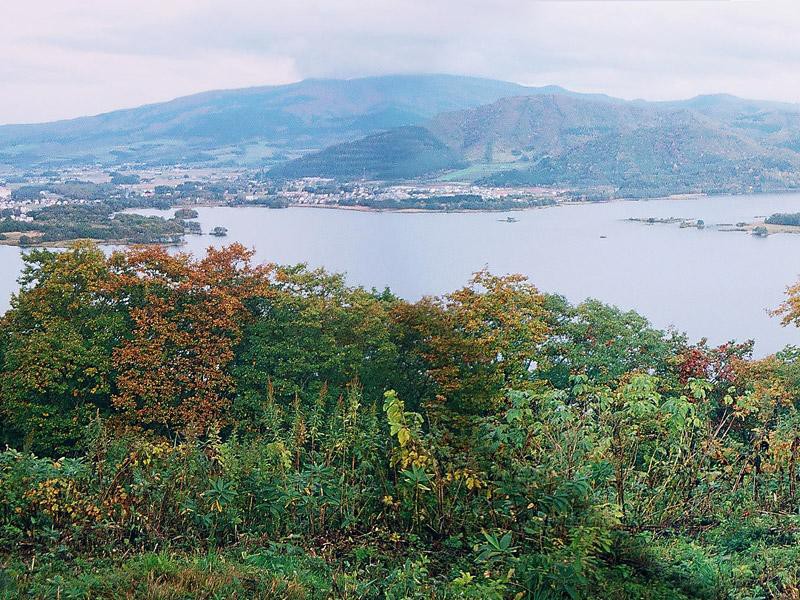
163	576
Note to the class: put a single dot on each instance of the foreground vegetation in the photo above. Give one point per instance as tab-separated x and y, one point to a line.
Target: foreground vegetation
183	428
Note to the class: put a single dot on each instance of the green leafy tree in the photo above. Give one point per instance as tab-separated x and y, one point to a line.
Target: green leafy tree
57	349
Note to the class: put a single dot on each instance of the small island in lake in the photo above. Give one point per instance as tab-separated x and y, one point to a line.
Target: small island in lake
681	221
760	227
776	223
186	213
219	232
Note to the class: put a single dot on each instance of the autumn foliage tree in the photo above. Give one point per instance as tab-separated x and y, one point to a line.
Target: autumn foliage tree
477	341
495	442
186	320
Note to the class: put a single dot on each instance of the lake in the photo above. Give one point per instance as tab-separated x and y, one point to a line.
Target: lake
704	282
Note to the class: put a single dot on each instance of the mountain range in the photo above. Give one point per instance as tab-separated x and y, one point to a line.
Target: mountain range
412	126
249	126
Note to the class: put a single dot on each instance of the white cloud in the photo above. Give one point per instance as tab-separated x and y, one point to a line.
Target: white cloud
61	59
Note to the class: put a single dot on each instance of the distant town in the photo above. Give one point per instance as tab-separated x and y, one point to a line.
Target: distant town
52	207
173	186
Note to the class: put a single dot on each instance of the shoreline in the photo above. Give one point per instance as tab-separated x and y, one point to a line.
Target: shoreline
13	238
63	244
556	204
749	227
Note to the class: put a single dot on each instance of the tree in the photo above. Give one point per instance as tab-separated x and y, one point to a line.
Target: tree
475	342
56	346
186	320
789	310
312	331
603	342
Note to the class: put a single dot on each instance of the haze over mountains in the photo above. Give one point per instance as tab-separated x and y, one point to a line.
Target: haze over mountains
400	127
245	126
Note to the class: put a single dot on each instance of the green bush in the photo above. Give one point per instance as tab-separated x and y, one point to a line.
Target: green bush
325	441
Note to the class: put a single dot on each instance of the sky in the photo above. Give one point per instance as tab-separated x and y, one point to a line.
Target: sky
66	58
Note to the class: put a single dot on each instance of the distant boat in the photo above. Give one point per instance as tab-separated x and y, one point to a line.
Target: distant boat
602	237
508	220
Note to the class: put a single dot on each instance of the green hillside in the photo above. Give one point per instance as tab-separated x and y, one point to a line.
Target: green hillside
402	153
653	152
507	130
575	142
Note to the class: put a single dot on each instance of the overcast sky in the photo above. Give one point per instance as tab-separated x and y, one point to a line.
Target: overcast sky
64	58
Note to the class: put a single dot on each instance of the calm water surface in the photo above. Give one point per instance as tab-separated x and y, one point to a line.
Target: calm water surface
705	282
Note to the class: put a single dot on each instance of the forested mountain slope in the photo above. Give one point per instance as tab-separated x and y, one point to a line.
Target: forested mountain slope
632	148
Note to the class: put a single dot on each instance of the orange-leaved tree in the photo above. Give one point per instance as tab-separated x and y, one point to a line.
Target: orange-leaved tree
789	310
475	342
186	320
